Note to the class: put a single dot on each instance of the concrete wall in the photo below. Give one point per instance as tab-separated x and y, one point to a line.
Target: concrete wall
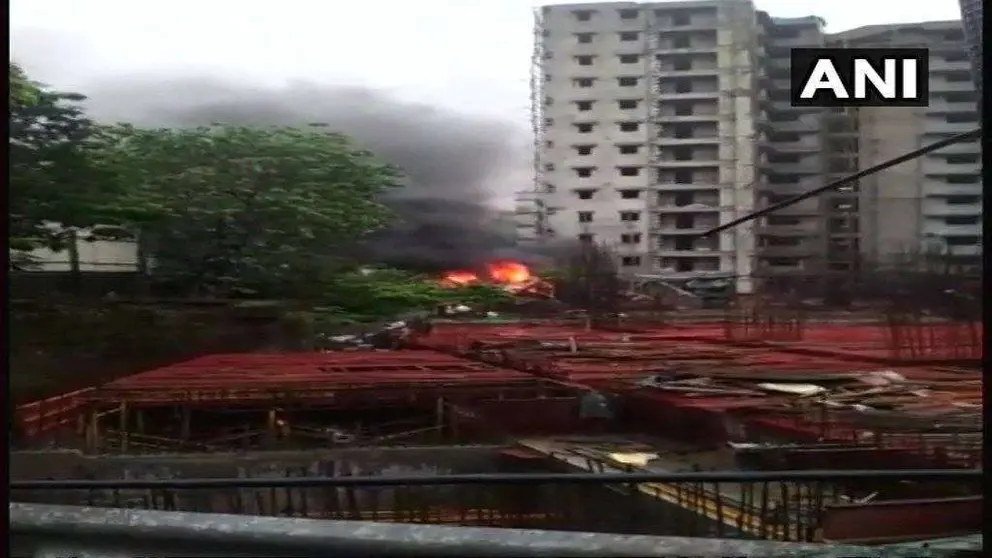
792	149
99	255
312	502
890	212
934	202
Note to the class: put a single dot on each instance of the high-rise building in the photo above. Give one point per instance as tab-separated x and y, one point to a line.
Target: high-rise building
971	15
646	131
790	242
932	204
655	121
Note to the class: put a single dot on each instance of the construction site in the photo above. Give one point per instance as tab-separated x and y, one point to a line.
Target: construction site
848	413
622	386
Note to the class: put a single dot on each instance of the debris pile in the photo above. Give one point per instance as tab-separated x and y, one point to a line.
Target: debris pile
386	336
513	277
882	408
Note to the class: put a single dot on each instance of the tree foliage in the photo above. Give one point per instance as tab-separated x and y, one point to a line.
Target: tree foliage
367	295
52	174
231	209
222	210
22	91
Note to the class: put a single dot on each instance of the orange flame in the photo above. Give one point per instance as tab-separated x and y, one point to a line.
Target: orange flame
504	272
508	272
513	277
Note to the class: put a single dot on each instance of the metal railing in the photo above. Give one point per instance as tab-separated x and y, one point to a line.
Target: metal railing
791	506
50	531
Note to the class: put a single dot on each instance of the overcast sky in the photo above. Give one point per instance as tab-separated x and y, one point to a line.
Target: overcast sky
471	56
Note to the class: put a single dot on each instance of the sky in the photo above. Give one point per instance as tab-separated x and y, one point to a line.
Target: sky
460	56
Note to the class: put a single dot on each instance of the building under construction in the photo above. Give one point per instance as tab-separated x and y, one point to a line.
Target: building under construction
747	394
749	408
648	130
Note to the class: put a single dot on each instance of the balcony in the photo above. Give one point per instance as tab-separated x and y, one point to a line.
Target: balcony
970	148
629	249
792	146
800	125
708	24
692	163
690	208
670	230
935	208
939	86
639	114
597	180
969	251
939	106
595	93
789	189
804	251
940	127
619	137
808	207
629	182
791	168
940	229
665	50
802	229
674	119
661	72
693	253
937	166
670	141
690	96
678	187
763	268
933	188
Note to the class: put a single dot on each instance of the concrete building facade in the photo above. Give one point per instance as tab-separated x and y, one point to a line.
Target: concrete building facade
790	242
972	17
646	132
932	204
655	121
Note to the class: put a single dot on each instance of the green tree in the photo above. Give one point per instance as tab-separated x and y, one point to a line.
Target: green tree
52	178
22	90
373	294
230	209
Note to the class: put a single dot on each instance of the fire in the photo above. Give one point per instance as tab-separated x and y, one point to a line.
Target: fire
499	272
508	272
514	277
461	278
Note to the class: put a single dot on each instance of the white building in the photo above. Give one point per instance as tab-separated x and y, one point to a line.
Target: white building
645	124
654	122
935	201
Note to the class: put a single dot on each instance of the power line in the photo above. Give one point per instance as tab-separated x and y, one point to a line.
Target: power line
960	138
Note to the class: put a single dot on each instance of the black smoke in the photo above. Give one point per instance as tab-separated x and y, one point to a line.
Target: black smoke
458	166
